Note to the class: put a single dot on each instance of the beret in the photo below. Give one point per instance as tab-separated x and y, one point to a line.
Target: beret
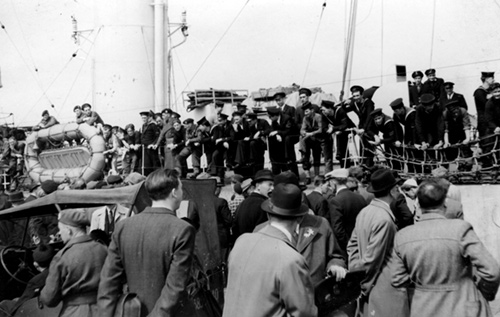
427	99
76	217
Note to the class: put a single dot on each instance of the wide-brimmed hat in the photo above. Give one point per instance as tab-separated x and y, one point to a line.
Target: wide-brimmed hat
16	197
339	173
263	175
382	179
289	177
286	201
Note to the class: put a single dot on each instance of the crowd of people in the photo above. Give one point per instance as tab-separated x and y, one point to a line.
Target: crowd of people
435	118
409	239
407	236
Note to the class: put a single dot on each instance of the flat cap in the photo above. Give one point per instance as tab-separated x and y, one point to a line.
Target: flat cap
377	112
430	71
448	84
338	173
357	88
76	217
15	197
305	91
398	103
327	104
273	111
417	73
427	99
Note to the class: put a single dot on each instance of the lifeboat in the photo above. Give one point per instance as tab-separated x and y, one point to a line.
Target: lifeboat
48	156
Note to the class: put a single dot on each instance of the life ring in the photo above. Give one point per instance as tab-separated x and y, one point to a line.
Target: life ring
65	163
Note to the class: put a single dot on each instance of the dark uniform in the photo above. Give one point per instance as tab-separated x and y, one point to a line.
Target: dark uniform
481	98
252	151
282	152
404	118
149	134
188	149
221	133
416	89
407	121
130	160
391	132
456	123
492	121
429	126
433	86
240	132
335	125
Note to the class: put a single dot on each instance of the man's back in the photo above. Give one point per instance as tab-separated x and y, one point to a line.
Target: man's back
277	286
154	249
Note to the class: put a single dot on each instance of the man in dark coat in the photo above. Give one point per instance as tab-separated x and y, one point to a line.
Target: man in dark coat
222	134
240	131
433	85
450	95
311	134
281	142
481	96
429	123
391	133
91	117
405	117
492	119
344	206
149	135
249	214
280	99
317	199
304	95
165	244
259	131
74	272
133	140
358	110
416	89
456	129
335	124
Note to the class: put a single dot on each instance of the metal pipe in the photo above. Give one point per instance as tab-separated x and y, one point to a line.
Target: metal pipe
159	58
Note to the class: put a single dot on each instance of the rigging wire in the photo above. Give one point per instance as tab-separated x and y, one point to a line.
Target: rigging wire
50	85
183	75
216	45
381	42
346	71
432	36
314	42
147	57
81	67
31	71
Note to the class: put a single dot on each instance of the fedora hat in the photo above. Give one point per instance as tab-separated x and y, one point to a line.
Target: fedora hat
263	175
382	179
286	201
289	177
16	197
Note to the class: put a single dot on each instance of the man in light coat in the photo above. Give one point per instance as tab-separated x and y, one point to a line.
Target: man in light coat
151	252
370	249
443	259
267	276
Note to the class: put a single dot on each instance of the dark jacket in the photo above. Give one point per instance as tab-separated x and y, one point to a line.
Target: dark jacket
289	111
362	109
319	204
458	97
391	132
151	252
415	93
344	208
408	122
492	115
149	133
435	87
429	126
224	221
249	214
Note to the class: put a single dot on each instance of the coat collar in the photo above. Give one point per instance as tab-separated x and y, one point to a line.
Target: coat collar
157	210
431	216
77	240
382	205
307	231
273	232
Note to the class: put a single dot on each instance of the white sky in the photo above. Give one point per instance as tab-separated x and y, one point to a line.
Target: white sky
268	45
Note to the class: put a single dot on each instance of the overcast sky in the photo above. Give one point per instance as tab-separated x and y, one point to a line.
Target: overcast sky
270	43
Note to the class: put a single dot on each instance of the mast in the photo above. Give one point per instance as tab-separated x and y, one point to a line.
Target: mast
349	47
160	46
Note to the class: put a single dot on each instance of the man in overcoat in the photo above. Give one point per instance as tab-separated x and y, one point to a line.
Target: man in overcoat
74	271
344	206
443	259
150	252
370	249
267	276
249	214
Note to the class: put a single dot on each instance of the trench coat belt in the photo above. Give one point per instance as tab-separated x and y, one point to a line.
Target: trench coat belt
81	299
437	288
